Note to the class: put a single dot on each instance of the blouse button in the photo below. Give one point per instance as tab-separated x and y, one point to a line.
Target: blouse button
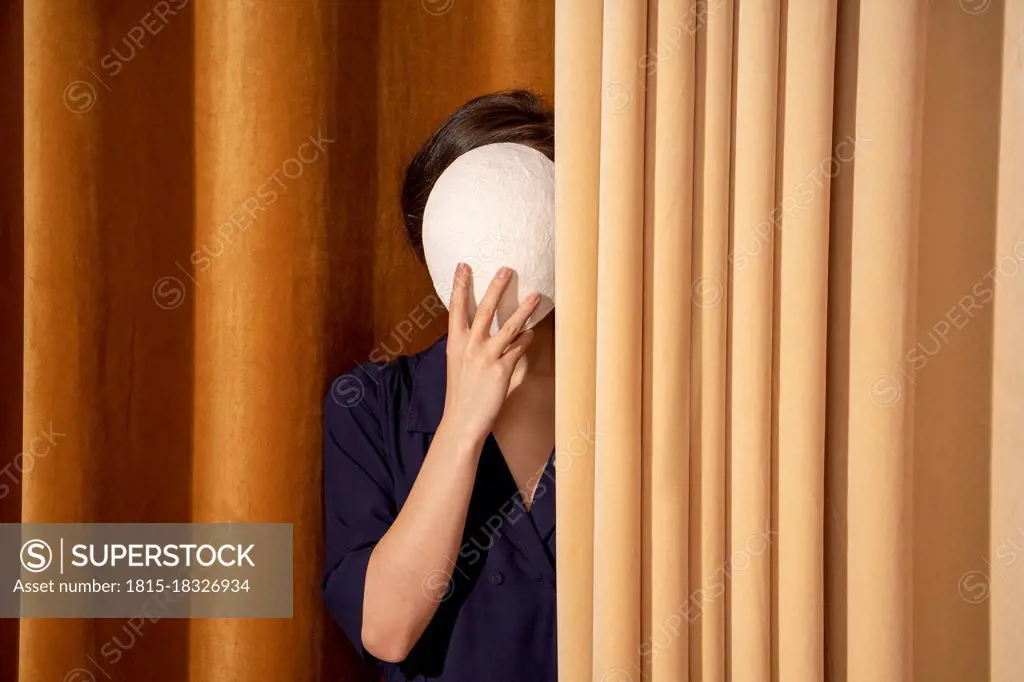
496	578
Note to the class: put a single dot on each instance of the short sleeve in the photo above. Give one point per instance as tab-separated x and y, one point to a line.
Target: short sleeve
358	498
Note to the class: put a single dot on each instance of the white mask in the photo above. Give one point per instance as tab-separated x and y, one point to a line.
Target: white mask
494	206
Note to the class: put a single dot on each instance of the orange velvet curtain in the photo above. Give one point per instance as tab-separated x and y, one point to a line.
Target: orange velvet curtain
789	238
200	227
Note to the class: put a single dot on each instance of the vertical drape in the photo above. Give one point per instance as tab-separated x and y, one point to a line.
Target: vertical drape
249	411
801	302
666	333
751	237
12	235
1001	581
708	359
620	267
578	77
949	540
884	225
800	212
211	231
104	366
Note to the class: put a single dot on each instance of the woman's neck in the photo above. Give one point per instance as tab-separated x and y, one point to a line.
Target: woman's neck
538	363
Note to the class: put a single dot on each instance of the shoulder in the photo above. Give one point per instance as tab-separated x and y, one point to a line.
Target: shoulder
383	391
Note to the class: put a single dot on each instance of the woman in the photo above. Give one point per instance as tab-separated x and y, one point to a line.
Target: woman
439	481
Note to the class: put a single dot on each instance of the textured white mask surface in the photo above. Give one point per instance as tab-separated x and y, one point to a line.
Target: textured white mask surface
494	206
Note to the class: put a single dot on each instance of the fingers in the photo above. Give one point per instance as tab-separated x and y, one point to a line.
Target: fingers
458	317
516	350
514	324
485	311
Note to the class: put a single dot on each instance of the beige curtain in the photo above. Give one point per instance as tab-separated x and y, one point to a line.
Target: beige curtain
788	240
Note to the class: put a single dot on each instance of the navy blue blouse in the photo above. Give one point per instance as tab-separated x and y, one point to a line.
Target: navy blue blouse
496	622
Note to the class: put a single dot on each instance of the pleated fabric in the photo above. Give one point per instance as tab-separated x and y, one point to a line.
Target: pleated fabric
998	582
788	258
241	410
777	233
577	181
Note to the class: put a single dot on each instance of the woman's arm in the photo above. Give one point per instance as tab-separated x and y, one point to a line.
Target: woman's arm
410	567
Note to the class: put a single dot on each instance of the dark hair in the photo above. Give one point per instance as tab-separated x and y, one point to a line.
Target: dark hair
511	116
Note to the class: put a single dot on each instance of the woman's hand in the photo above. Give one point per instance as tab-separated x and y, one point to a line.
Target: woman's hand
479	365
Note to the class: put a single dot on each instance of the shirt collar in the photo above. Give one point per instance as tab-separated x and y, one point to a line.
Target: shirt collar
429	380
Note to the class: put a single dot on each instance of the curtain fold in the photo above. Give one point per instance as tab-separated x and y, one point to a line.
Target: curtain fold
883	230
95	236
784	211
256	438
620	270
1001	584
667	241
801	302
578	32
705	612
751	262
12	239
